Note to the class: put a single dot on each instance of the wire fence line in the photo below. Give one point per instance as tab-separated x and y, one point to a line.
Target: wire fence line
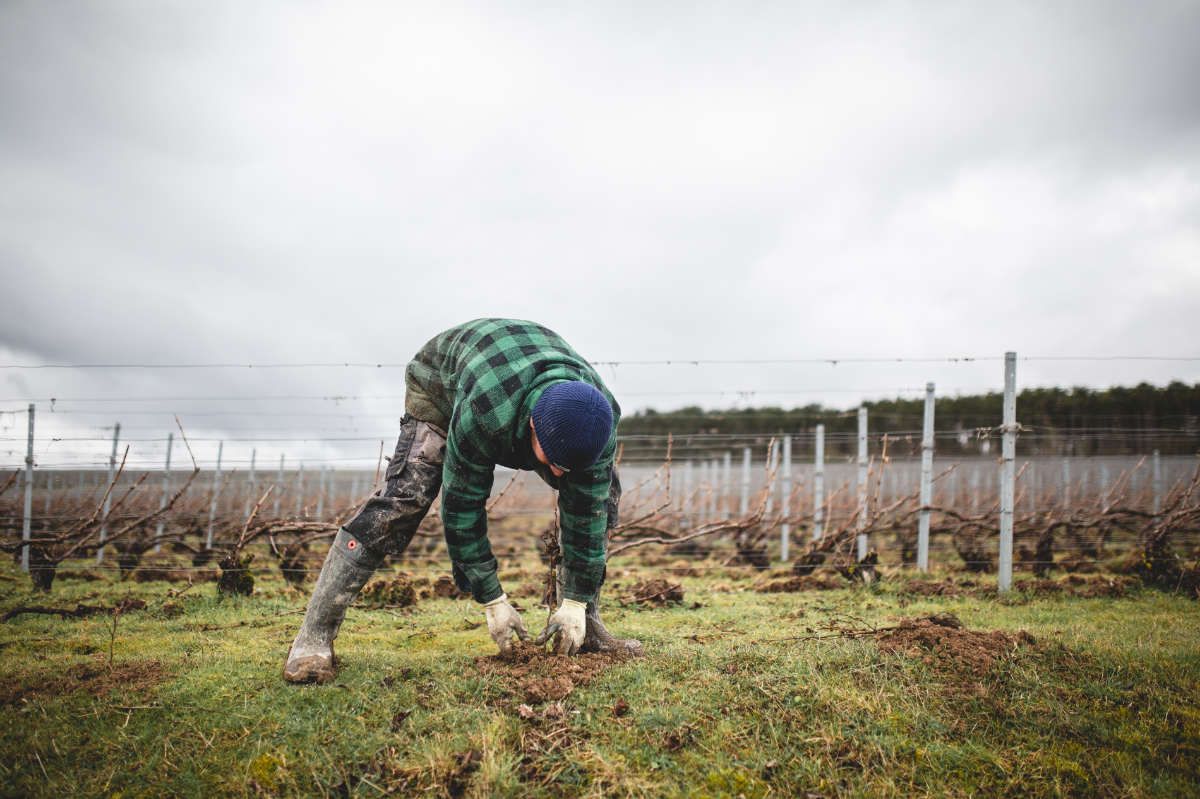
763	493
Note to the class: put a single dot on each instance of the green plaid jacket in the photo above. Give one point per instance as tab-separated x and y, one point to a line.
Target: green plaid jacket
479	381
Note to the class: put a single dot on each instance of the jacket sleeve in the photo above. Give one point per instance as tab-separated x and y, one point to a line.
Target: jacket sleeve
466	484
583	514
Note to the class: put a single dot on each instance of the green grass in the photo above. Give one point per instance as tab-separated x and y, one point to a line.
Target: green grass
1106	703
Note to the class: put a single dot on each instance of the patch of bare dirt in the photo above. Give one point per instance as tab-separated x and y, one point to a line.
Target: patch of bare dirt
942	642
149	574
96	678
818	581
1088	586
932	588
655	592
527	674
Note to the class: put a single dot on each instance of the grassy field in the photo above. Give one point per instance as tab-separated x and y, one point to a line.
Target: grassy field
741	694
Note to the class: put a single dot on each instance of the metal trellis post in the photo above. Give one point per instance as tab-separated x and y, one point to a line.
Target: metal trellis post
818	530
744	505
1008	474
112	467
785	529
27	516
278	487
862	482
300	490
1158	482
216	494
926	481
726	482
166	493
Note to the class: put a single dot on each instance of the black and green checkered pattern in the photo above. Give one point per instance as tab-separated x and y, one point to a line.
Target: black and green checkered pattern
480	381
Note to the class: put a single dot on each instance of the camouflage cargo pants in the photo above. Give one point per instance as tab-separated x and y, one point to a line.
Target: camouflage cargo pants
389	519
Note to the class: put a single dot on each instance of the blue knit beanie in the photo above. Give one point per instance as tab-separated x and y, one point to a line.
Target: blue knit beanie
573	421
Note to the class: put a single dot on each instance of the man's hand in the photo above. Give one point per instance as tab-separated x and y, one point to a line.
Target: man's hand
503	620
568	624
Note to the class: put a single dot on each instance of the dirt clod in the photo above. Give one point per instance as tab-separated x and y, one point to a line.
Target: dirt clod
819	581
655	592
941	641
528	675
620	708
393	592
444	588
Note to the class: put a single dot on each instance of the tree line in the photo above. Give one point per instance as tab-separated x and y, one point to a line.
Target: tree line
1056	421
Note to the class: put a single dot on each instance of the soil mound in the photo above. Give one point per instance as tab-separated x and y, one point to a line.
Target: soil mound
527	674
932	588
941	641
655	593
404	590
823	581
1087	586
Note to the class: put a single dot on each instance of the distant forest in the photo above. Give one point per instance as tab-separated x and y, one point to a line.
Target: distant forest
1077	421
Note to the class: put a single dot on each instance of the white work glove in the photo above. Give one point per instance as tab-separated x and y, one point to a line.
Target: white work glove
503	620
569	624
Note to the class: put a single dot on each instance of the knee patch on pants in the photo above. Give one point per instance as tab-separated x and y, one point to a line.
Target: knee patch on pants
389	519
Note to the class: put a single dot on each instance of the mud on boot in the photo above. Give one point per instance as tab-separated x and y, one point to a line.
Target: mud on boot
346	570
597	638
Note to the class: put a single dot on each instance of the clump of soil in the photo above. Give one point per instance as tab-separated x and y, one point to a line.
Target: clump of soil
1088	586
932	588
444	588
818	581
394	592
96	678
941	641
403	590
527	674
656	593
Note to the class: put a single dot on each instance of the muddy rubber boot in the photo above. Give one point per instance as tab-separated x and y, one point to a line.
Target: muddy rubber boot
347	568
597	638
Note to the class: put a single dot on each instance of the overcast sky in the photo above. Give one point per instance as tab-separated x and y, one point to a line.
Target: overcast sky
310	182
